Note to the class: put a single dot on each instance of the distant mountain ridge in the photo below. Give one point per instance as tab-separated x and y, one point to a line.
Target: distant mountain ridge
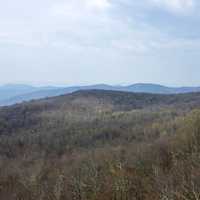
11	94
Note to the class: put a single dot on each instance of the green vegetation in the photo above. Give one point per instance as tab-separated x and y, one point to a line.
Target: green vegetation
101	145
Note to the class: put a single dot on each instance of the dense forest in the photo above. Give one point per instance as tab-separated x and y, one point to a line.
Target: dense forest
101	145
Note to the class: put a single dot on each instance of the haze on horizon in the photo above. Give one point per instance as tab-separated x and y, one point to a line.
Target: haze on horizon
82	42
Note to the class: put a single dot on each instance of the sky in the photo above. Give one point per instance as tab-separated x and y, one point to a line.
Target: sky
82	42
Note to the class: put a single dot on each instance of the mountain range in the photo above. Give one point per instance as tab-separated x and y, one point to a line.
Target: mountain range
16	93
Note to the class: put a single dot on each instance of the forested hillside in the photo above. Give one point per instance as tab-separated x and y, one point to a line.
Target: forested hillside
101	145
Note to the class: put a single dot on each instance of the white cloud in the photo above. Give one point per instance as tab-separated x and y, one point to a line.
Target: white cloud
68	38
178	6
80	8
97	4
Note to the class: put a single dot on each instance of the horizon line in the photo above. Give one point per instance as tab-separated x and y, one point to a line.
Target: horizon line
94	84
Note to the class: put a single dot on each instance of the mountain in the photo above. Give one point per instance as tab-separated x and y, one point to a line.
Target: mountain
12	94
16	93
8	91
159	89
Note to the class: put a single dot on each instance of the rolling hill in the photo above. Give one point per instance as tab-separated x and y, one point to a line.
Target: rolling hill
87	104
11	94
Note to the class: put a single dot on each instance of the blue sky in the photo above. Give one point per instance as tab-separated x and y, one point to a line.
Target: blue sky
80	42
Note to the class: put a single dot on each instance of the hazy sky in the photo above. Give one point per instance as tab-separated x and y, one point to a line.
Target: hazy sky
100	41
